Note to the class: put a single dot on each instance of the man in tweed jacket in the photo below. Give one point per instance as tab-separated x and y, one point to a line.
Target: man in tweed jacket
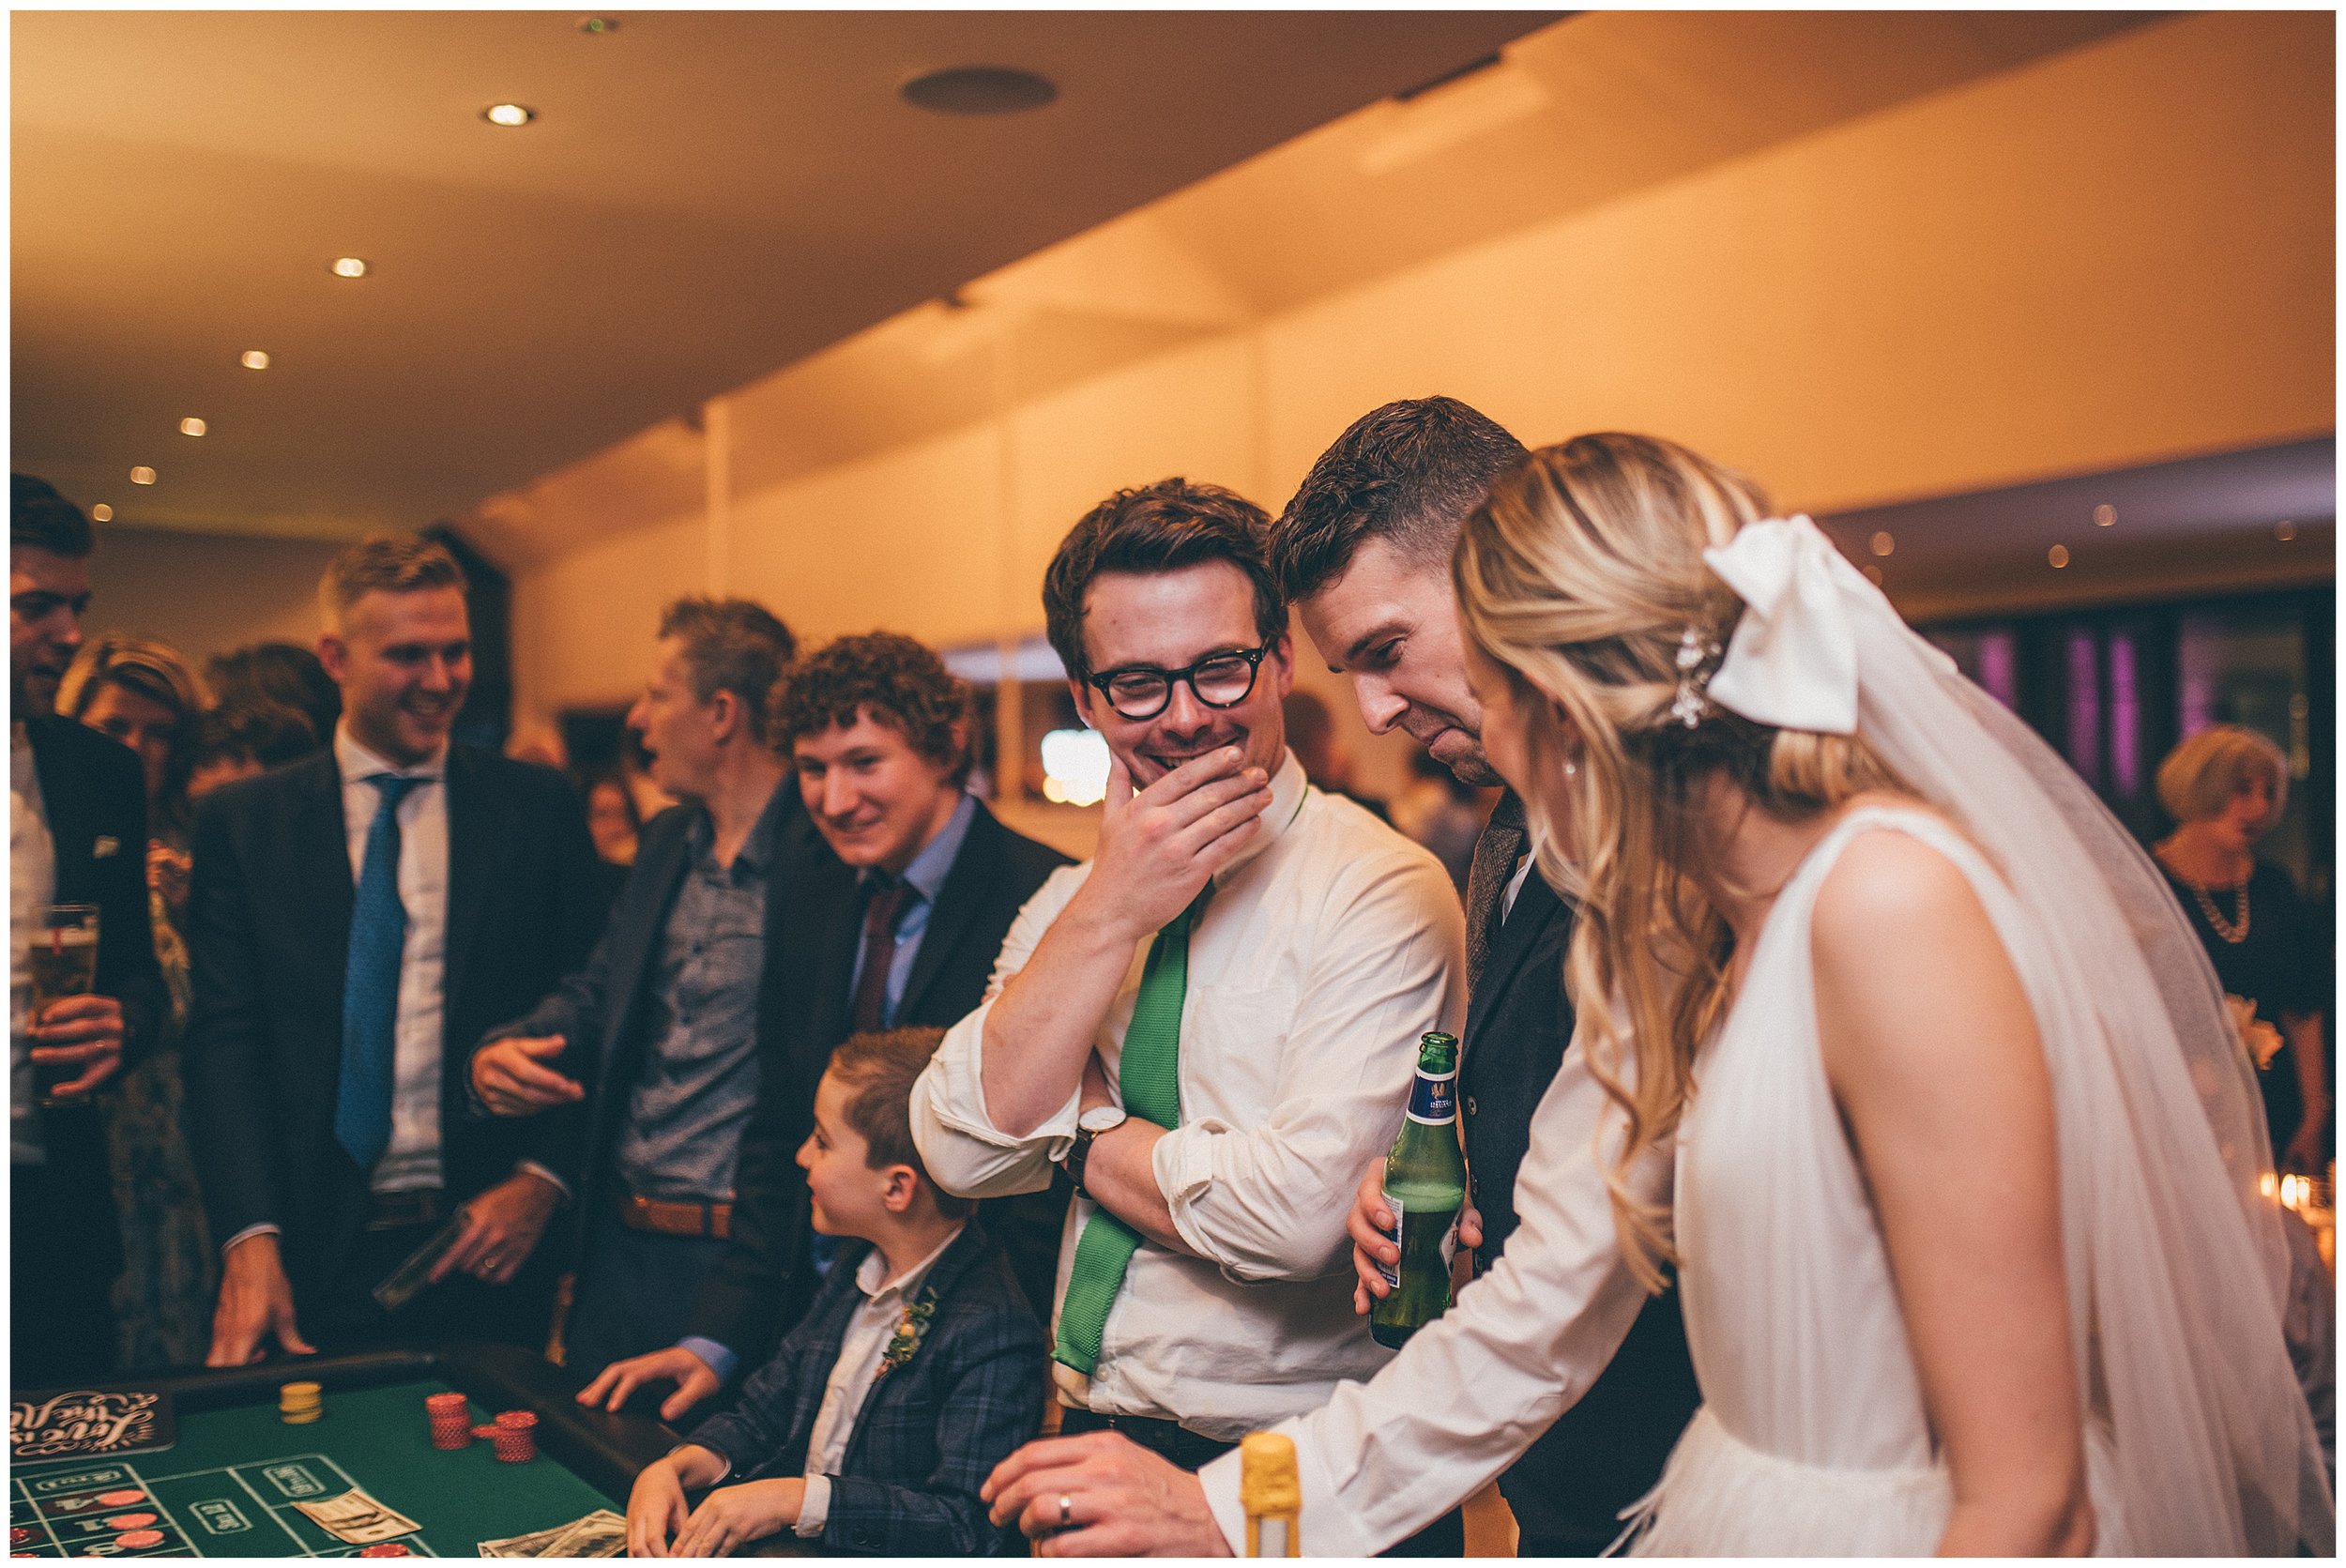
918	1367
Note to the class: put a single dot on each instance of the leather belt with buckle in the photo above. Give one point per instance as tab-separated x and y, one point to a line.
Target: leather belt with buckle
394	1210
714	1220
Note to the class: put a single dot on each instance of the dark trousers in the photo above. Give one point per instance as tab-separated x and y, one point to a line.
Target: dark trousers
1444	1537
61	1324
342	1315
634	1294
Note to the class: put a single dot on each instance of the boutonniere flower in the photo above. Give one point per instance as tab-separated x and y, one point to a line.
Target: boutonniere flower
910	1330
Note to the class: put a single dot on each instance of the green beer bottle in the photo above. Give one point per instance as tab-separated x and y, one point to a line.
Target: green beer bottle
1424	1189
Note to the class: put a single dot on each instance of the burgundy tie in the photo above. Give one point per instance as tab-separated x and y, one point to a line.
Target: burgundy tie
879	956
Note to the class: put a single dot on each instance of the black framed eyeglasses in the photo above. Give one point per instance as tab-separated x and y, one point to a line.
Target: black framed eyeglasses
1217	680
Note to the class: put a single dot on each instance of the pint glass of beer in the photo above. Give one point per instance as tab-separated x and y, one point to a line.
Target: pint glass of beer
65	964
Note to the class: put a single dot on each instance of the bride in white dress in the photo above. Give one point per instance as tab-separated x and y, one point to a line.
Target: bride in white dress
1966	1217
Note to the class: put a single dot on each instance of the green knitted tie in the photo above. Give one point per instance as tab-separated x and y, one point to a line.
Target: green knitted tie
1151	1077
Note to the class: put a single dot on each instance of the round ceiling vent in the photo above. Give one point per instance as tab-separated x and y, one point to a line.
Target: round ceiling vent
979	90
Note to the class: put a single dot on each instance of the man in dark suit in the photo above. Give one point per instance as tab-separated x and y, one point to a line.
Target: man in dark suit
356	919
76	831
666	1033
1363	550
899	927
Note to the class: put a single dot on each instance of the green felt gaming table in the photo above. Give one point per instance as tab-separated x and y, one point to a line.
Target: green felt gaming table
228	1485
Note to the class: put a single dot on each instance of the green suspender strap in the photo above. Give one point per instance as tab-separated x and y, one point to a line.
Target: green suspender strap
1151	1078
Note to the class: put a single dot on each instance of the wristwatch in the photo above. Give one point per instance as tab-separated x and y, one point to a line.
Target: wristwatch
1098	1120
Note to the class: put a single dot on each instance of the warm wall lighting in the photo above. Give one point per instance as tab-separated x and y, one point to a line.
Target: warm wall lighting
1873	574
101	512
192	427
141	475
349	266
595	26
2285	530
2105	516
255	360
1884	544
2059	556
507	115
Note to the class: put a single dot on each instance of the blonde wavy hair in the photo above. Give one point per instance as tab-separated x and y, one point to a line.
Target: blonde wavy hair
1579	576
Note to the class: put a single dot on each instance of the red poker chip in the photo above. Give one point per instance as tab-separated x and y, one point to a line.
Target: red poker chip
137	1539
487	1429
517	1420
454	1438
517	1452
118	1499
19	1534
130	1521
443	1400
386	1548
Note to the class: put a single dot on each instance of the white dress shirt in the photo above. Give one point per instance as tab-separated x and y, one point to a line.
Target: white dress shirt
1476	1387
32	883
853	1374
1326	951
412	1159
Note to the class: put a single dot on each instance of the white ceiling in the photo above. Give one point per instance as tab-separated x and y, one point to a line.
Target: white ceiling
705	196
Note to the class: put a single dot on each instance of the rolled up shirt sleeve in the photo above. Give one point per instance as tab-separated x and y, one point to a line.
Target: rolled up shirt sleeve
964	1152
1475	1388
1269	1201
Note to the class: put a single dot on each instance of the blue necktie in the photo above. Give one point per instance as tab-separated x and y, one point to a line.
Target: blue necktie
378	934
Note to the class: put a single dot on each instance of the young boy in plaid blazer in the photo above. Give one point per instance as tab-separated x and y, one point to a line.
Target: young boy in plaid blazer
917	1370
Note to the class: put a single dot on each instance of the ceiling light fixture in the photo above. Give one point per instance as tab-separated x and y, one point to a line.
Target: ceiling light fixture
255	360
2058	556
508	113
1884	544
2105	516
2285	530
101	512
349	266
141	475
192	427
979	90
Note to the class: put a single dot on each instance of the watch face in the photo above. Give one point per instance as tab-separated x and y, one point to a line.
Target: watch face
1101	1119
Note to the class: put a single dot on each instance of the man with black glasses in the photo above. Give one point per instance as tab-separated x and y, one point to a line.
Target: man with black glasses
1211	1025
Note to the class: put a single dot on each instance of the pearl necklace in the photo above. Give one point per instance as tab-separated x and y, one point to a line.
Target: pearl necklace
2232	933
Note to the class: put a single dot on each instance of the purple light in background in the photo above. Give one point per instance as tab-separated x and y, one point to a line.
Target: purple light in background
1997	673
2199	663
2085	709
2126	718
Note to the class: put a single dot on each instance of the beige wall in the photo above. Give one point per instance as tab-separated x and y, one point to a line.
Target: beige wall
2114	255
207	593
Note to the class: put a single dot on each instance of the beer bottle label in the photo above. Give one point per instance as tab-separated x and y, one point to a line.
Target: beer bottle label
1397	1233
1434	1098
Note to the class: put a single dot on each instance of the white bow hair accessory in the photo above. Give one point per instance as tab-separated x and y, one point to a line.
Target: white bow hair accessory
1792	662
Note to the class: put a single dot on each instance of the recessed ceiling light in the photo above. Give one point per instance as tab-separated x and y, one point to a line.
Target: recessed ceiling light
1884	544
192	427
595	26
101	512
255	360
2104	515
979	90
349	266
141	475
508	113
2058	556
2285	530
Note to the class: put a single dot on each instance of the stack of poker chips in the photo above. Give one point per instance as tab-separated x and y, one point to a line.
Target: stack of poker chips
515	1434
299	1404
451	1419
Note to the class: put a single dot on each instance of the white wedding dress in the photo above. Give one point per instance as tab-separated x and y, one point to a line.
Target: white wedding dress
1812	1440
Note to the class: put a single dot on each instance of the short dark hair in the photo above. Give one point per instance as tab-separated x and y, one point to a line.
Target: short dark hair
1157	528
268	732
40	519
879	1070
283	674
1410	473
731	645
899	681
